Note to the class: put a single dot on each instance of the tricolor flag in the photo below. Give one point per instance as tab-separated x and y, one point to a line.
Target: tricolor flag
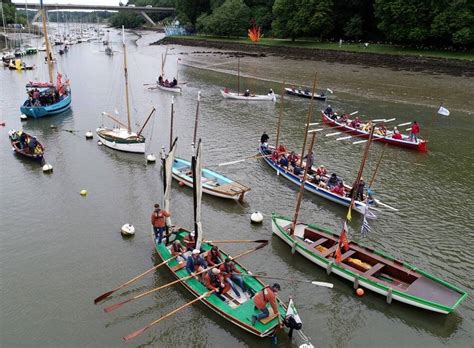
443	111
291	311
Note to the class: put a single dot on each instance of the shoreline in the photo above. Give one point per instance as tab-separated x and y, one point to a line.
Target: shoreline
455	67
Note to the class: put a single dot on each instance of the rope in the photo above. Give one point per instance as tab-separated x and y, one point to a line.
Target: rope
147	147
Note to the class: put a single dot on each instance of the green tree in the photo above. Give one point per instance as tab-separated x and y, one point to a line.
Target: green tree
189	10
353	28
455	24
232	18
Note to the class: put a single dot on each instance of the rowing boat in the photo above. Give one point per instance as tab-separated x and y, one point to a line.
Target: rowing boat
237	310
311	187
174	89
372	269
213	183
26	145
253	97
419	144
304	94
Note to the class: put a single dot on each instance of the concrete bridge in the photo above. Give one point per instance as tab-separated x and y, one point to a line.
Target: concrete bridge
138	9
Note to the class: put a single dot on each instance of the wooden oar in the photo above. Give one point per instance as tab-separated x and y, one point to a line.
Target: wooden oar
344	138
403	124
353	113
236	241
166	316
390	120
120	304
379	120
323	284
257	156
331	134
385	205
108	293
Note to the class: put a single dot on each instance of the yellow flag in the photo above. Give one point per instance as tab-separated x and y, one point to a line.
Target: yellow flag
349	215
18	64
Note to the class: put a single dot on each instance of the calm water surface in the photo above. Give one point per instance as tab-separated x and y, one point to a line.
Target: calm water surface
60	250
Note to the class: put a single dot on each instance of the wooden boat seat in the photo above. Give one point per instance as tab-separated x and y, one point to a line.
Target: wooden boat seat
269	318
374	269
178	267
330	250
347	254
318	242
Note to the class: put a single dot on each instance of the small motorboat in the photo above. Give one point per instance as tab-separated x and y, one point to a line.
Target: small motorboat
304	93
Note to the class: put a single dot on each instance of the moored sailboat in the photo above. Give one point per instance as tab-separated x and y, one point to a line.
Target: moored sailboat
122	138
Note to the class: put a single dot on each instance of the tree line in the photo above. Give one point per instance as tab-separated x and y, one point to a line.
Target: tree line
442	23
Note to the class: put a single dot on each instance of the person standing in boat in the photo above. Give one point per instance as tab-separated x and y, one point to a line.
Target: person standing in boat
232	275
160	80
158	221
247	93
415	129
267	295
309	161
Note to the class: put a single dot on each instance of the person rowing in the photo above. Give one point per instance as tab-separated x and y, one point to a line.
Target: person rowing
262	298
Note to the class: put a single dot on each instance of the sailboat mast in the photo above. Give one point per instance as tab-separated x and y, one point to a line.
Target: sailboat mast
196	120
171	121
308	119
46	40
280	115
125	71
238	76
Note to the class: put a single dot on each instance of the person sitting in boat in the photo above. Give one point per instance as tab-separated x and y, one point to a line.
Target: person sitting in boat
160	80
284	161
195	263
174	83
306	91
293	158
328	111
166	83
178	250
32	144
344	118
270	92
267	295
22	139
232	276
247	93
275	156
318	181
367	127
381	130
333	181
339	189
355	122
396	134
264	138
190	241
297	170
321	170
226	90
213	280
214	256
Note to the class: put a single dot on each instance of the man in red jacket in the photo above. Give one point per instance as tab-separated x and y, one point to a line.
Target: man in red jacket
158	221
415	129
267	295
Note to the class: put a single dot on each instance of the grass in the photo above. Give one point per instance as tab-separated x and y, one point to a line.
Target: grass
347	47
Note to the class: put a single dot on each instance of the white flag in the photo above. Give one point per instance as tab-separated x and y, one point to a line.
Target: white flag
292	311
443	111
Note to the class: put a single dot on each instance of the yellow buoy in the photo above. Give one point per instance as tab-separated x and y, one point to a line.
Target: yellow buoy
83	192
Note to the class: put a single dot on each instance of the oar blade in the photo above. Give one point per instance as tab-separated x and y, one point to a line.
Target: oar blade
135	334
323	284
115	306
353	113
359	142
103	296
390	120
403	124
379	120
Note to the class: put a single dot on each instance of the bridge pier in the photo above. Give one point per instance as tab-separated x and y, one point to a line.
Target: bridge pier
147	18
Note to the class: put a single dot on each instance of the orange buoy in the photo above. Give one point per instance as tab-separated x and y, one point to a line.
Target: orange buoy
181	183
360	292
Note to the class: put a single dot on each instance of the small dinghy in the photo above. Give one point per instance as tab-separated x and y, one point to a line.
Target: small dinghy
26	145
251	97
304	93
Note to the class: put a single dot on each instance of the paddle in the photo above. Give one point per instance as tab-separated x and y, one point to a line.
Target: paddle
403	124
353	113
243	160
108	293
143	329
323	284
385	205
331	134
344	138
120	304
235	241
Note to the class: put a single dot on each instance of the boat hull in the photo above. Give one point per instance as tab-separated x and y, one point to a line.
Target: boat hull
420	145
169	89
241	316
344	201
301	94
235	96
50	110
216	185
278	228
27	154
121	144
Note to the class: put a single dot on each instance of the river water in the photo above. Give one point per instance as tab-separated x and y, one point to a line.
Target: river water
60	250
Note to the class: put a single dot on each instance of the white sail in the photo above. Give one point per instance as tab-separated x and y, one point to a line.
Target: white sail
168	177
198	192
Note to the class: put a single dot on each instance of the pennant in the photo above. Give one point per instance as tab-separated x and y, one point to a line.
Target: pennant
291	311
443	111
349	215
343	241
338	253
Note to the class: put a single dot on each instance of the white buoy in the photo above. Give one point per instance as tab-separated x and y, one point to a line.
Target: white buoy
99	143
128	230
47	168
23	117
83	193
151	158
89	135
256	217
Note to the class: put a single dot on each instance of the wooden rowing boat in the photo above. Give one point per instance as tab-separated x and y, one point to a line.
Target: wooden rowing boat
370	269
304	94
253	97
213	183
311	187
174	89
419	145
32	152
237	310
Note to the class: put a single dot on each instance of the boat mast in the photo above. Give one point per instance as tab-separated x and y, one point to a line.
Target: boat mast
308	119
125	71
238	75
300	194
172	120
46	40
197	193
196	120
280	116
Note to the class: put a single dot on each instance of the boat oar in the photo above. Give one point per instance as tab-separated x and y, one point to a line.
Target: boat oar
379	120
108	293
390	120
166	316
331	134
344	138
257	156
120	304
235	241
385	205
323	284
403	124
353	113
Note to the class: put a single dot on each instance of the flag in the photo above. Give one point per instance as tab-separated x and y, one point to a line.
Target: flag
291	311
443	111
349	215
338	253
343	241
